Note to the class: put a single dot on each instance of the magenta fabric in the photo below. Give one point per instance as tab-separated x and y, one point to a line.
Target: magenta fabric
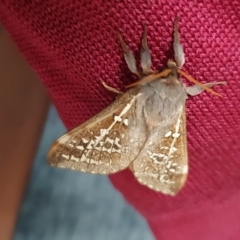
72	45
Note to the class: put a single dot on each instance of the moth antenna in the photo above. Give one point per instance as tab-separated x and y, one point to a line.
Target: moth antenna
177	47
128	56
111	89
146	61
150	78
191	79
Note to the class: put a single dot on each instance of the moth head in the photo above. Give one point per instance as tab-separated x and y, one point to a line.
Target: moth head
171	64
174	69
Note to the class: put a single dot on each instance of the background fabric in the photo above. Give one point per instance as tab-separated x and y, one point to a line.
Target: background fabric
72	45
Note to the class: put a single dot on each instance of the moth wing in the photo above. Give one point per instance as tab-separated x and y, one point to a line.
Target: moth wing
162	164
101	144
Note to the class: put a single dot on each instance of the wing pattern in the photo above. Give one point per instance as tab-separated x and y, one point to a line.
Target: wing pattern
163	163
100	145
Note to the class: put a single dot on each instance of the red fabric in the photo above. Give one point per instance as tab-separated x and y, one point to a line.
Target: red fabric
72	46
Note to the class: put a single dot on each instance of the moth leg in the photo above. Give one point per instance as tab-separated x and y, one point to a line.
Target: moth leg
196	89
177	47
129	58
146	61
111	89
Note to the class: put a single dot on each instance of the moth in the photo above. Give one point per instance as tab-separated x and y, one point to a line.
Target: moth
144	129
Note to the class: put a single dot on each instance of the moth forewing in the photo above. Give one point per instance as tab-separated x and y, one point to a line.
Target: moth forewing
101	144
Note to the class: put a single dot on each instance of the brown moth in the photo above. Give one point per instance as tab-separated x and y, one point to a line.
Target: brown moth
143	129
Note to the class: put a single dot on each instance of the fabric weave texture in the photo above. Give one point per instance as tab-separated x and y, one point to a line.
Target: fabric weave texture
73	46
